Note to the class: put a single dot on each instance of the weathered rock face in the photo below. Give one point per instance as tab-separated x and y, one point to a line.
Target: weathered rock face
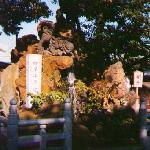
117	93
22	45
56	56
51	66
55	46
116	76
8	86
51	70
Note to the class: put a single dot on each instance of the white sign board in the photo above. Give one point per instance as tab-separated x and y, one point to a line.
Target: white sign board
71	78
138	79
33	76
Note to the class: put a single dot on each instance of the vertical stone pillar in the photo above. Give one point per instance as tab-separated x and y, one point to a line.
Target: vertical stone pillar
143	125
13	119
68	125
43	137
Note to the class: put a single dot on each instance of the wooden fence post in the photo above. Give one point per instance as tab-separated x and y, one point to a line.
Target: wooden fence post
13	119
68	124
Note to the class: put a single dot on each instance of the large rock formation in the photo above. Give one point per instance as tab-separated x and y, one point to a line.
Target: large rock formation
22	45
116	77
51	72
56	56
8	86
116	89
55	46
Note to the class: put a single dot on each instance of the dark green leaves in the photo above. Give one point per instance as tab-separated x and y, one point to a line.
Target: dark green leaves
13	12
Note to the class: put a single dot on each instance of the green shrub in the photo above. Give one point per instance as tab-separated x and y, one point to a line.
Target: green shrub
50	97
91	98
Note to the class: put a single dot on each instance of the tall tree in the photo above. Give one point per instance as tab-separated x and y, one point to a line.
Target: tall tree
13	12
119	30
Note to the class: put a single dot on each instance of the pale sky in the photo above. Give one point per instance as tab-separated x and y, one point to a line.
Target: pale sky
8	42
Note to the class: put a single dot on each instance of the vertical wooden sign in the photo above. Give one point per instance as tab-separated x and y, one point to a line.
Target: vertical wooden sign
33	76
138	80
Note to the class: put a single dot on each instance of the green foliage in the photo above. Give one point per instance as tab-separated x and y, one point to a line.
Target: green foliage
57	95
62	85
49	98
80	87
38	100
90	98
124	122
13	12
120	32
1	105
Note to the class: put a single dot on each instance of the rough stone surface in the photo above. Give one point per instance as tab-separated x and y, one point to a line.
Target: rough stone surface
116	76
21	45
51	70
115	83
51	66
8	86
57	55
55	46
